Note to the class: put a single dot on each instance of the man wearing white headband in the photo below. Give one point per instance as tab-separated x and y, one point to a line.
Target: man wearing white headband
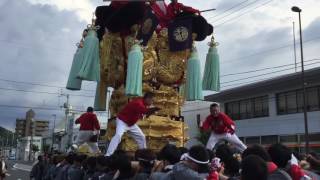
194	165
222	128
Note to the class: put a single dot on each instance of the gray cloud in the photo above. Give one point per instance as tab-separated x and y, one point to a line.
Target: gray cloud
237	42
36	45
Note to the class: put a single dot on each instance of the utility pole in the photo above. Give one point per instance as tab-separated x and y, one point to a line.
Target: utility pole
12	144
31	138
67	111
12	140
306	135
54	126
1	147
70	129
7	141
294	47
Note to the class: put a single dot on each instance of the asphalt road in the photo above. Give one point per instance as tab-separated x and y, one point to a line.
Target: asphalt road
18	170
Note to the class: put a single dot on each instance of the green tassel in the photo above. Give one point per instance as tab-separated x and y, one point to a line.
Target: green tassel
134	71
90	69
99	99
194	83
211	77
73	82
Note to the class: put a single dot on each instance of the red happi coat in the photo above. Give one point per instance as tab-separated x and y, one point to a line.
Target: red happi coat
220	124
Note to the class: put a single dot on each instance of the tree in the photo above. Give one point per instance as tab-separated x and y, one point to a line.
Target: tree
46	148
34	148
203	137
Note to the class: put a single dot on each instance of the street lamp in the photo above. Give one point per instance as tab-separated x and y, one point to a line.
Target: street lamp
306	135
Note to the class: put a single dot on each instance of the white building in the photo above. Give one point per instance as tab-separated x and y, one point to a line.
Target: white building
194	111
23	147
270	111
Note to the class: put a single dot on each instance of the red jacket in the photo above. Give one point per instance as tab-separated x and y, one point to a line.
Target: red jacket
213	176
162	16
88	122
296	172
271	167
133	111
118	4
176	8
220	124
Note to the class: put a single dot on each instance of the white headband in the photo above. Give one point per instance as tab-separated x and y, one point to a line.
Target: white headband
187	156
145	160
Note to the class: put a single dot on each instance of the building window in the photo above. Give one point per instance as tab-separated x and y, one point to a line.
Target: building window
292	101
261	106
253	140
248	108
245	109
289	139
312	99
235	110
269	139
312	137
300	100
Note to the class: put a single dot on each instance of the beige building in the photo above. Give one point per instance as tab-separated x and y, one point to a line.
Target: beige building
29	126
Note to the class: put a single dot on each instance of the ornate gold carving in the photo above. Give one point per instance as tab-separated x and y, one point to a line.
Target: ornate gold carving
118	101
172	65
158	131
161	70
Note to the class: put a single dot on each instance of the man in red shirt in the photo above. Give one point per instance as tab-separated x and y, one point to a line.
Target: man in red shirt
127	118
89	126
222	127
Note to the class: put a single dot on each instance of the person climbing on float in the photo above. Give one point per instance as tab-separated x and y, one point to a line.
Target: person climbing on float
222	128
127	119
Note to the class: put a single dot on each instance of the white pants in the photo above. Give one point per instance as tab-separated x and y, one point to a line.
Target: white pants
232	138
134	131
84	137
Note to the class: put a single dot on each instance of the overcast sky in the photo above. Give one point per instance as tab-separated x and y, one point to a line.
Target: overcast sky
38	37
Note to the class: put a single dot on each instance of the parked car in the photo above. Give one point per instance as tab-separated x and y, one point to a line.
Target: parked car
12	157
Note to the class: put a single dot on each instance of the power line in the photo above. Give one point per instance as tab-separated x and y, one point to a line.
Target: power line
30	107
218	19
265	99
249	82
229	9
275	97
266	73
238	16
39	84
35	107
28	46
263	69
269	50
247	72
41	92
257	70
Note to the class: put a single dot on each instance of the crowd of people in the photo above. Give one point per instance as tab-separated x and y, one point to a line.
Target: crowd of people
276	162
234	161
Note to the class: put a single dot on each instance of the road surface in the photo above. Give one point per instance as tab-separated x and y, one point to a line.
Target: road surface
18	170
